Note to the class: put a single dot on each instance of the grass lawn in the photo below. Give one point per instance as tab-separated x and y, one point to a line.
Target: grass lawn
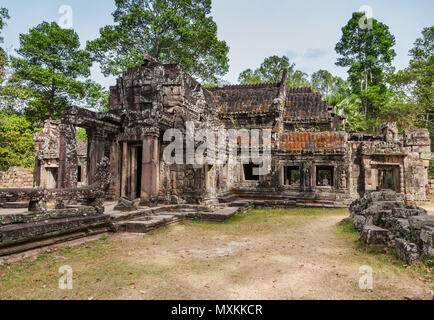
265	254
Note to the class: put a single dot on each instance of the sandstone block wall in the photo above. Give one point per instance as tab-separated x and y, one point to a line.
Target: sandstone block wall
16	178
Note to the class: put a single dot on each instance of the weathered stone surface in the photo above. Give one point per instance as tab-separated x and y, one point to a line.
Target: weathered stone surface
70	212
405	213
15	234
125	204
220	215
400	227
418	223
407	251
359	222
16	177
376	236
427	239
388	220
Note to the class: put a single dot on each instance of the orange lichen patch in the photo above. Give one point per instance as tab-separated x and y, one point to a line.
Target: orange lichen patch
300	141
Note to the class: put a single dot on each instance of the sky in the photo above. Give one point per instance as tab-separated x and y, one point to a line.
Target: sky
305	30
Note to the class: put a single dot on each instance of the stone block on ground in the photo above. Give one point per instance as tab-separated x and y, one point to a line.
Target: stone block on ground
375	236
407	251
427	239
125	204
218	216
359	222
417	223
405	213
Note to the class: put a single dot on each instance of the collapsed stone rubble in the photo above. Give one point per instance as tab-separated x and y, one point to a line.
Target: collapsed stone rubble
383	219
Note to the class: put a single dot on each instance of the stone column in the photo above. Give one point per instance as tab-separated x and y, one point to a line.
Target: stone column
68	158
115	186
124	187
133	170
95	151
150	169
62	157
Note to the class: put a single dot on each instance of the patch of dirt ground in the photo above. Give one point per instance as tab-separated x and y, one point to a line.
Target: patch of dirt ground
265	254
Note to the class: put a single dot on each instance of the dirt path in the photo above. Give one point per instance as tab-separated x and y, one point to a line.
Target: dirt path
299	254
311	261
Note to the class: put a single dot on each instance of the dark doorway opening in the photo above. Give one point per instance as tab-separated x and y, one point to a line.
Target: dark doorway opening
79	176
388	179
139	172
249	172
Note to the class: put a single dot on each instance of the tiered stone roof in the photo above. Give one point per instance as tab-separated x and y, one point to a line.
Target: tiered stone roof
245	98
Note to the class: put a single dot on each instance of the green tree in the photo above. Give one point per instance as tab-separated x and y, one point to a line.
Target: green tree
368	54
349	106
271	70
50	67
180	31
322	81
17	147
418	78
4	15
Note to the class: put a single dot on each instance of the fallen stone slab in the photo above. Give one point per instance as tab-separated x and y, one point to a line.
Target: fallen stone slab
385	195
14	234
240	204
398	226
14	205
125	204
218	216
427	239
359	222
406	213
407	251
375	236
417	223
70	212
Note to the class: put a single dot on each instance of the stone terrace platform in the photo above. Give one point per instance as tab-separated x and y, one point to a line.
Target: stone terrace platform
21	230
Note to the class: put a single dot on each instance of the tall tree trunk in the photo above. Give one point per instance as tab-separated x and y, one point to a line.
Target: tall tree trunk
52	94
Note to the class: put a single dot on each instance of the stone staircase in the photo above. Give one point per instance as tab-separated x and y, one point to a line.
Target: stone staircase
146	220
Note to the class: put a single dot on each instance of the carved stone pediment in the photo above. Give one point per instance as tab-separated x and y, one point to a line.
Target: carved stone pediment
383	148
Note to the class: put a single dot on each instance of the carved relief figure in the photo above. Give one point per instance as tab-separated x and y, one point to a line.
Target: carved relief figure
343	179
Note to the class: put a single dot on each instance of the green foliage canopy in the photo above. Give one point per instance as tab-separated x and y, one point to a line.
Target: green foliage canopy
50	67
173	31
368	54
4	15
417	80
17	147
271	70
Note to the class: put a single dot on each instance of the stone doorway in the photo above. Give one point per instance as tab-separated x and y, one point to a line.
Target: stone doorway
132	169
52	174
388	178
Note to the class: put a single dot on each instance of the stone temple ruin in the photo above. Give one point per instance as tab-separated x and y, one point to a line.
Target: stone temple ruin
314	162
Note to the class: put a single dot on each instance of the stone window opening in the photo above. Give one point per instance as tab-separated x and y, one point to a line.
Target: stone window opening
249	172
325	176
79	174
291	176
